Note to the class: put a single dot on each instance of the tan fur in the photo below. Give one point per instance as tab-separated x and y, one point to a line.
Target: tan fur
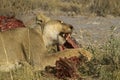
30	45
42	20
52	29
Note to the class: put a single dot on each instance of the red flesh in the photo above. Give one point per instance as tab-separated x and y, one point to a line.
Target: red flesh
69	43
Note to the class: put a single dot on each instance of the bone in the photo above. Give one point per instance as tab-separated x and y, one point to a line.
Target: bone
69	43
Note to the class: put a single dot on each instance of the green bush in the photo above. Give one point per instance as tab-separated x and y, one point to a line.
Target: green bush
105	64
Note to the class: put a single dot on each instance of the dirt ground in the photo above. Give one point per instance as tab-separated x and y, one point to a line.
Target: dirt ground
92	30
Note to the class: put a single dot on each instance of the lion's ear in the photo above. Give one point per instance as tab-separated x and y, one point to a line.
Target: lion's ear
38	21
41	18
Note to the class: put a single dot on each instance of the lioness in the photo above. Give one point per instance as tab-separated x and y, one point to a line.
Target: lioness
30	45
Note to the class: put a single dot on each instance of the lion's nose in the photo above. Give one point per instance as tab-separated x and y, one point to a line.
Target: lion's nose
71	27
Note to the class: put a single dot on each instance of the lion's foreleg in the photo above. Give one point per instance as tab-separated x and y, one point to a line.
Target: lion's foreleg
50	59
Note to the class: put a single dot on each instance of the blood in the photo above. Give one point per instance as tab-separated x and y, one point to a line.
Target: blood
69	44
7	23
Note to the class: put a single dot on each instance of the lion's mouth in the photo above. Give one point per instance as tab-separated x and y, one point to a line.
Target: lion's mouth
64	35
70	42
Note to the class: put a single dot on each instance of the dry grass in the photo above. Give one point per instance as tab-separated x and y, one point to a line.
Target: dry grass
72	7
103	7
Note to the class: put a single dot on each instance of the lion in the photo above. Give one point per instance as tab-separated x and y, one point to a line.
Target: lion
30	45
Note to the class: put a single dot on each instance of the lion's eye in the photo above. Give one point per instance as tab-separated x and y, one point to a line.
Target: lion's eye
40	21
